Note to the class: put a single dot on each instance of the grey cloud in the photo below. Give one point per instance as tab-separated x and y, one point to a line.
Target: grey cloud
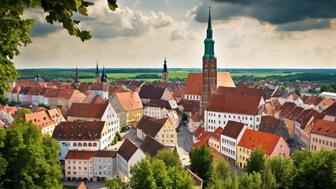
41	28
277	12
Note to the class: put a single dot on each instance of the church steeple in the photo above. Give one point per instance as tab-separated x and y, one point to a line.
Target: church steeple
209	42
165	65
76	80
103	76
97	69
165	71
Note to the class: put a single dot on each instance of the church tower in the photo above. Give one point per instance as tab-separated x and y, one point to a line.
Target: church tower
76	80
209	67
103	78
97	74
165	71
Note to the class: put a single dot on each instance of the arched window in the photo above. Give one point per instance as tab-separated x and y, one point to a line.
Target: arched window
74	144
79	144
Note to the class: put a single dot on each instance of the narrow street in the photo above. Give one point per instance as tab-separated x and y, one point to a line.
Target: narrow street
184	144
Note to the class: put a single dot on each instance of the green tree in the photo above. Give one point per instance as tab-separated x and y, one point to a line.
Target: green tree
268	178
201	163
256	162
283	171
315	169
221	177
115	184
169	157
32	160
250	181
180	178
235	181
142	175
15	29
160	173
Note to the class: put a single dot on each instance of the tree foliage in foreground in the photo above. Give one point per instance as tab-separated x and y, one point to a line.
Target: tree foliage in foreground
158	172
15	29
27	160
304	169
201	163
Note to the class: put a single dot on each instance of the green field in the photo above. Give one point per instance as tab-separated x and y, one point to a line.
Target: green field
150	75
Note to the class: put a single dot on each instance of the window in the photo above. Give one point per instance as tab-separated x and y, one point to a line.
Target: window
74	144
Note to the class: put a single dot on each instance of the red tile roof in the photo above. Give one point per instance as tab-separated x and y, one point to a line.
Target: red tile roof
256	139
325	128
127	149
151	126
331	110
233	129
40	119
151	92
190	105
194	84
87	110
286	109
217	133
129	100
243	90
79	131
312	100
151	146
105	153
79	155
235	104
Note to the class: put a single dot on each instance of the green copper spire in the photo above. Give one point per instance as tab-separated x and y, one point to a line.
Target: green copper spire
209	42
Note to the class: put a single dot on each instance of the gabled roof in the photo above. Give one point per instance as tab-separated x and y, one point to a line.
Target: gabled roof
79	155
55	114
331	110
305	116
190	105
325	128
158	104
256	139
268	124
87	110
40	119
127	149
151	92
228	103
129	100
243	90
151	146
217	133
295	113
79	131
233	129
286	109
151	126
194	84
312	100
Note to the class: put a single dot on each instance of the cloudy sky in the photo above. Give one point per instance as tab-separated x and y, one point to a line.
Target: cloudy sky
140	33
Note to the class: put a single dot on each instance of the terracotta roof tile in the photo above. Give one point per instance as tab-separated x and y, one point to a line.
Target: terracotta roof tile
127	149
151	126
87	110
230	103
325	128
105	153
269	124
158	103
40	119
79	131
79	155
331	110
286	109
256	139
190	105
312	100
194	84
151	92
233	129
242	90
151	146
129	100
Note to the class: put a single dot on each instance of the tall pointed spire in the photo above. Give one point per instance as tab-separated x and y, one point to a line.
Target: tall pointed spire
76	80
103	76
209	42
165	65
209	30
97	69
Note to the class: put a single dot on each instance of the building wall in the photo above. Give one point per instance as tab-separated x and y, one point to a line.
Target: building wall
93	145
104	167
167	135
155	112
214	143
213	120
134	116
281	149
78	169
318	142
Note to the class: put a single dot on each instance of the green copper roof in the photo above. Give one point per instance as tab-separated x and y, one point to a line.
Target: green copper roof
209	42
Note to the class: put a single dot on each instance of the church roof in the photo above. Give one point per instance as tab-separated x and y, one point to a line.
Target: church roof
194	85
